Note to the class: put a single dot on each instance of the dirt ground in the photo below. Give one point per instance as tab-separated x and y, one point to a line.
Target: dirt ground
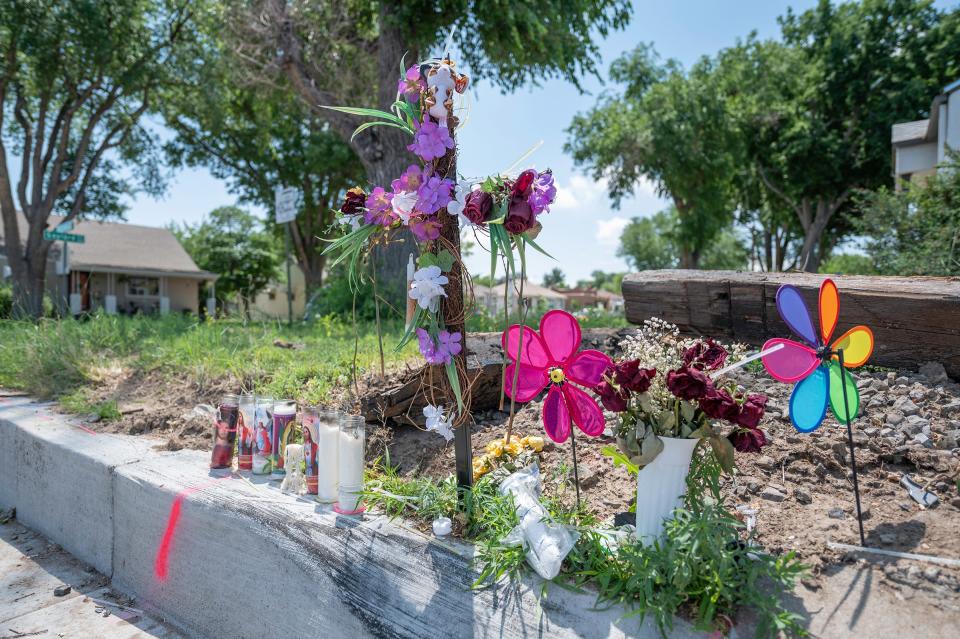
800	486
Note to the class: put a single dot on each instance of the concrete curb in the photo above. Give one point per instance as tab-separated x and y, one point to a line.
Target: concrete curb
248	561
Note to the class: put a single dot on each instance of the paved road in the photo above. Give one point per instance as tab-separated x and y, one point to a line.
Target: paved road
31	568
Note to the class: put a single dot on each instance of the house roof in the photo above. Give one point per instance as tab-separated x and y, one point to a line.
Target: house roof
905	133
112	247
530	290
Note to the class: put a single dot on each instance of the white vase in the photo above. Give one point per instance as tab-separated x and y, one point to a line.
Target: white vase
661	485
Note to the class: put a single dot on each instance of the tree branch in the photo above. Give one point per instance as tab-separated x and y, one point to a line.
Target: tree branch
770	185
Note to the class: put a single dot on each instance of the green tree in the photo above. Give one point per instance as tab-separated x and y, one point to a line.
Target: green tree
915	231
75	79
349	53
232	243
647	242
815	110
669	127
652	243
259	138
555	279
848	264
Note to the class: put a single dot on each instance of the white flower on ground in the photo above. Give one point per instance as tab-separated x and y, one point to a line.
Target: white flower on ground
455	207
427	287
403	204
437	422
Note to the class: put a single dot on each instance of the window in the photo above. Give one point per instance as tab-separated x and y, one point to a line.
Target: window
143	287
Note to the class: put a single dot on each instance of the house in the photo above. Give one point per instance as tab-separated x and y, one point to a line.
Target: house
271	302
121	268
590	297
536	296
920	146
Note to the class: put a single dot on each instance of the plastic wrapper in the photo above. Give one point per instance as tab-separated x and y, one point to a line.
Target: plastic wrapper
546	541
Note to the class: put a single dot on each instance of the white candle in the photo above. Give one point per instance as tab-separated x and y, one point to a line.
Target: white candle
328	454
351	462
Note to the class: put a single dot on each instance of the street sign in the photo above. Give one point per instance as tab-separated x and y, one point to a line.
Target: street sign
57	236
285	203
65	227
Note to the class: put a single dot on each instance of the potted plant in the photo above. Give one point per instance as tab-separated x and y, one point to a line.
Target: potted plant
668	403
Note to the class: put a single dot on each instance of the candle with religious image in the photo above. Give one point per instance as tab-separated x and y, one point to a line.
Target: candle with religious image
262	440
351	449
328	455
308	422
248	412
225	432
284	416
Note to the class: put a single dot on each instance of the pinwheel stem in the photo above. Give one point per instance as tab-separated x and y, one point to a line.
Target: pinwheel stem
853	458
576	471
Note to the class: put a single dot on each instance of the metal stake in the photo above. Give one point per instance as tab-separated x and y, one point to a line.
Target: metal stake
853	458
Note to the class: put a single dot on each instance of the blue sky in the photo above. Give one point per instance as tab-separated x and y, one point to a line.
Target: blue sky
582	230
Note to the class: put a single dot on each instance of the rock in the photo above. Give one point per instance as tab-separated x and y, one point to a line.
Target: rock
906	506
955	502
949	441
887	539
836	513
753	486
766	462
934	371
884	432
917	394
906	406
588	476
61	590
773	493
871	431
931	573
914	424
894	418
802	496
902	380
951	408
923	440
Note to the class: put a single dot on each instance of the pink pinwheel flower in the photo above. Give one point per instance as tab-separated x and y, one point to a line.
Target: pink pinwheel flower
550	358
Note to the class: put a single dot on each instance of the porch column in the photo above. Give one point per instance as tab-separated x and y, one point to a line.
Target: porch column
110	299
212	301
164	300
75	298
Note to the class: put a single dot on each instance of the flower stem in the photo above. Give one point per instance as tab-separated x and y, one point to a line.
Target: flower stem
516	364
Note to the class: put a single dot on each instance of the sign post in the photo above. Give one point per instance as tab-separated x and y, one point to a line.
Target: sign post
286	200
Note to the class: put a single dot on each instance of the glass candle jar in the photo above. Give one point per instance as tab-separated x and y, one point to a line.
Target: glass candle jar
309	416
352	439
284	418
262	429
328	455
225	432
248	415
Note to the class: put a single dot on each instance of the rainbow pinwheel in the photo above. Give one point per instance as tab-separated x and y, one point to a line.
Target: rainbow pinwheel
813	365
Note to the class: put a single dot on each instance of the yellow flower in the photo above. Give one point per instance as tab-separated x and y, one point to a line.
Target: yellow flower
514	448
533	443
495	448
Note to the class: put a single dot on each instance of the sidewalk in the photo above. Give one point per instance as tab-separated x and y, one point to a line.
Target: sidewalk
31	568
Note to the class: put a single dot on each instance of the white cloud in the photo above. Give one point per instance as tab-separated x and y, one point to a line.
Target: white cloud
581	192
609	231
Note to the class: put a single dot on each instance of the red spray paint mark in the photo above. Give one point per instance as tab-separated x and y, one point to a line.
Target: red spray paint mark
161	562
89	431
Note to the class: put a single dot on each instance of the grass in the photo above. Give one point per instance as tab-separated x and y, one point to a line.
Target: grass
59	358
703	568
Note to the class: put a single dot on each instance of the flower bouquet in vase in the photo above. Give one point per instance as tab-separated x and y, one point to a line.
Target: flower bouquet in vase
668	403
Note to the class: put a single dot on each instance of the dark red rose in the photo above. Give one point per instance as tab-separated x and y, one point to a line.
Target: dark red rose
477	206
613	399
521	188
353	203
719	404
748	440
705	355
752	410
688	383
629	375
520	216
